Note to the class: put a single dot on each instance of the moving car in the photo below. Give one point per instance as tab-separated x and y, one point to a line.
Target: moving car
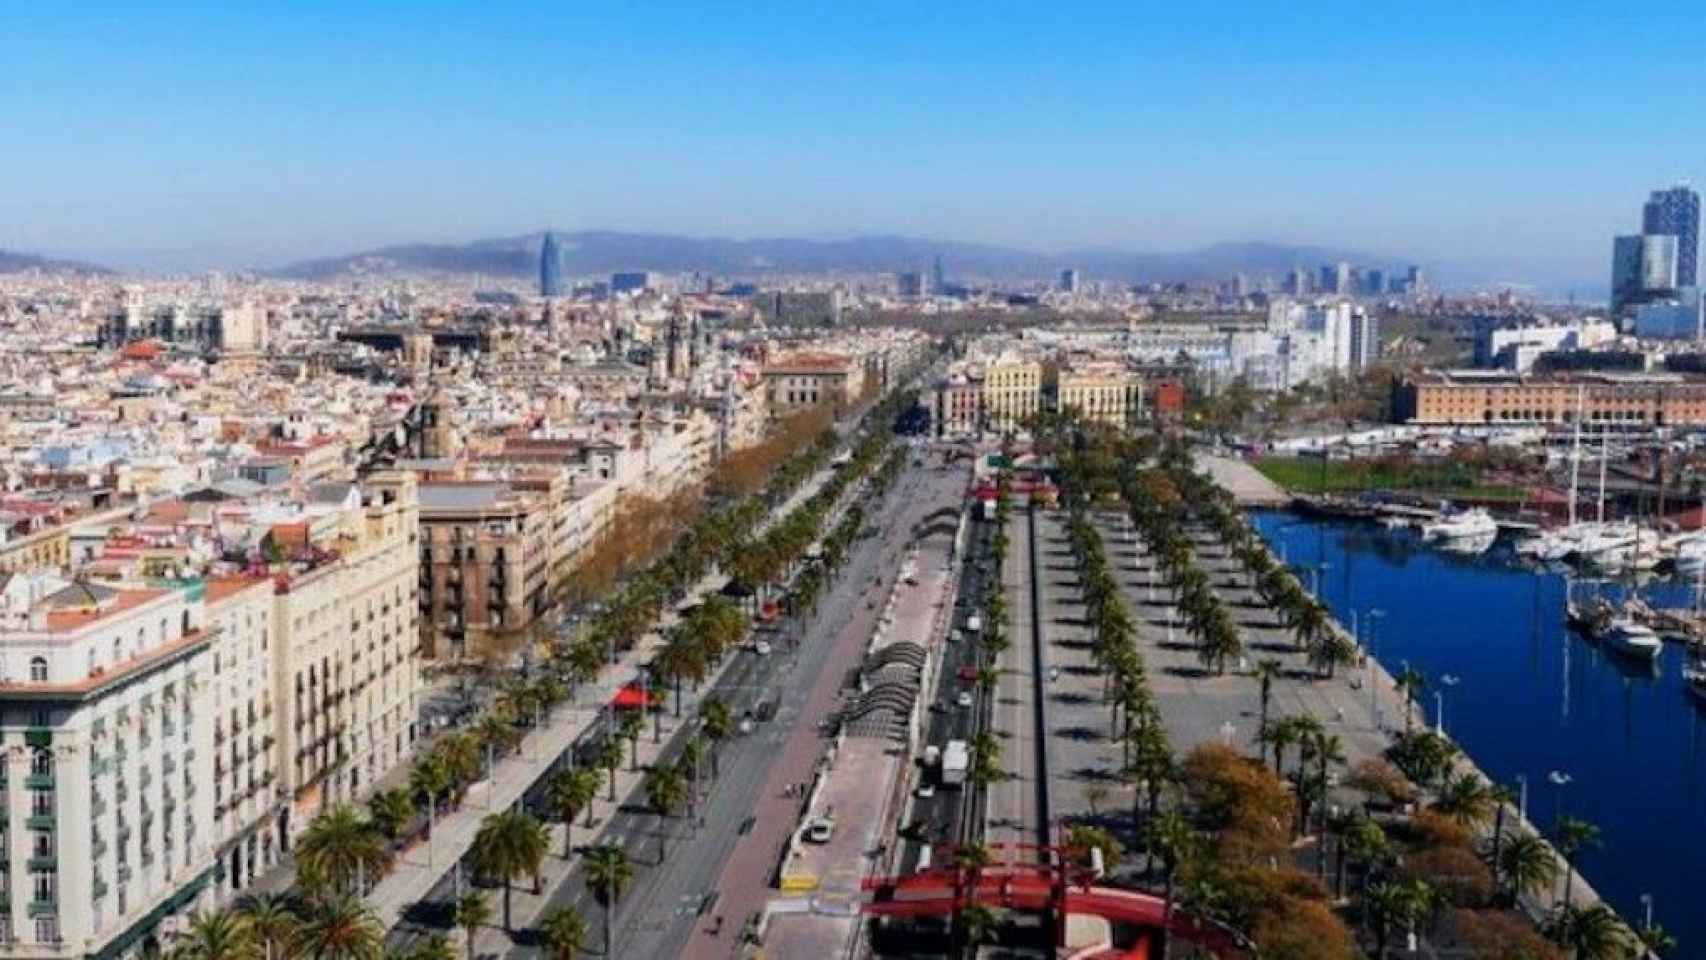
965	700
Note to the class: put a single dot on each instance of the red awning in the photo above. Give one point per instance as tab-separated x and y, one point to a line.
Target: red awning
630	697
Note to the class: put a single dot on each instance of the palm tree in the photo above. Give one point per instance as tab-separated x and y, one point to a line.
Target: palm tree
608	873
339	849
609	756
1528	865
629	726
1656	939
1466	799
273	919
1412	684
1170	837
217	935
430	779
508	845
564	933
1501	795
391	811
435	947
718	723
666	790
978	923
1590	933
1267	671
473	911
1394	904
568	793
1573	836
340	928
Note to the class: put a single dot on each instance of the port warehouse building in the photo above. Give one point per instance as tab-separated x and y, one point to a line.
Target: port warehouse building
1481	397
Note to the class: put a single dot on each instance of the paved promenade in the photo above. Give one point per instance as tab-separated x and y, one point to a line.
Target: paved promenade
1246	484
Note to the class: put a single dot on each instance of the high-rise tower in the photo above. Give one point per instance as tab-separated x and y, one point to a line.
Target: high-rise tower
550	267
1676	212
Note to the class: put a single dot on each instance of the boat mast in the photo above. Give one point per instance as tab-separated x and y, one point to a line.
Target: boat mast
1604	455
1576	458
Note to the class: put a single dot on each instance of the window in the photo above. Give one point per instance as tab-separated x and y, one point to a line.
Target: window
38	669
47	929
41	763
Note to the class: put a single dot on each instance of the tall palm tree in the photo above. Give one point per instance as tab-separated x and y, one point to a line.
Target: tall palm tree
1501	796
509	845
568	793
1393	905
473	911
430	779
1267	671
630	725
978	923
1574	835
717	720
1528	865
609	874
610	757
1412	684
217	935
391	811
564	933
666	790
272	919
1467	800
435	947
340	928
1590	933
341	848
1170	837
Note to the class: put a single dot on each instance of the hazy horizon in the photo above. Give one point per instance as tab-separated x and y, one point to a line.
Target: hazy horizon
1520	138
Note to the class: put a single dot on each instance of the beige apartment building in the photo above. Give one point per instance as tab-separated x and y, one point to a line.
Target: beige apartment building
1012	391
1101	393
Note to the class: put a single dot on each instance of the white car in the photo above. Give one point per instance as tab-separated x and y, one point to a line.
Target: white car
820	830
965	700
762	648
925	791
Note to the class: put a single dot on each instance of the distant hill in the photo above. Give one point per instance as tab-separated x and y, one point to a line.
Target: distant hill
595	252
19	262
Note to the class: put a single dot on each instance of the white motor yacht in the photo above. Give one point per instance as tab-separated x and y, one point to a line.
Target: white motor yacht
1694	676
1632	638
1470	524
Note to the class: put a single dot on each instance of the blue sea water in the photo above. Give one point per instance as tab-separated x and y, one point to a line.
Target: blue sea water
1532	698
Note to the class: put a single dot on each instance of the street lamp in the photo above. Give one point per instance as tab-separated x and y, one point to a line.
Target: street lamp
1559	779
1522	796
1446	682
1372	614
1647	907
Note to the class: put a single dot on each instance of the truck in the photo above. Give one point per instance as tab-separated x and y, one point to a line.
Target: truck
956	758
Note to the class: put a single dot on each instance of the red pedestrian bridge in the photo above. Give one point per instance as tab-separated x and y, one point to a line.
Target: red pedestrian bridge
1043	880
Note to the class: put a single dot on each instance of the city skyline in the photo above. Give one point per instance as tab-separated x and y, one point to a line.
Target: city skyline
338	132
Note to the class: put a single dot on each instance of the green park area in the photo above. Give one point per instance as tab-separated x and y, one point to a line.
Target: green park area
1450	478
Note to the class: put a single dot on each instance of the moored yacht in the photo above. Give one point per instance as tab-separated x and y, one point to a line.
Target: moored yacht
1470	524
1633	638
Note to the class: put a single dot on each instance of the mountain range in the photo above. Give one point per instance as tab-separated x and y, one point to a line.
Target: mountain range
11	262
601	251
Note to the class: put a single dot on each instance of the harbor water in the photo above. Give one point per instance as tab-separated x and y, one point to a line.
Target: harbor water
1533	700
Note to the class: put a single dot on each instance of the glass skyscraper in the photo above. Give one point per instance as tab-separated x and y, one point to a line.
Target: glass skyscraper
550	267
1677	212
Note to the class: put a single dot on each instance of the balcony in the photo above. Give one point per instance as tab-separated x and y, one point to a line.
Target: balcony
98	806
124	873
98	847
41	821
44	864
39	781
100	888
100	766
43	908
122	792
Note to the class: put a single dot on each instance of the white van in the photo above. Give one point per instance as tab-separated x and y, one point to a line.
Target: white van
932	755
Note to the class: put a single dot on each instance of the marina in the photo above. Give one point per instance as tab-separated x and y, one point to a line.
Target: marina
1569	716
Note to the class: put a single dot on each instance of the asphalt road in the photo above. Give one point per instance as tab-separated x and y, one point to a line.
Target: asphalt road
936	820
655	918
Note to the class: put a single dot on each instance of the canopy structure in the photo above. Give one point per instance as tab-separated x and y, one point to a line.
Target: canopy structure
631	697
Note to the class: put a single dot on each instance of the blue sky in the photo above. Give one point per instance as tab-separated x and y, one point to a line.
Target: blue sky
1525	134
